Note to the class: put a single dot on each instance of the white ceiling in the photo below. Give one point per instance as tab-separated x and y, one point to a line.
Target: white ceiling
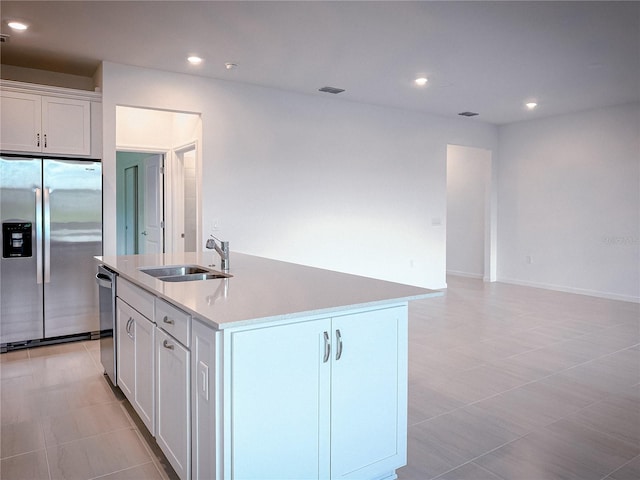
486	57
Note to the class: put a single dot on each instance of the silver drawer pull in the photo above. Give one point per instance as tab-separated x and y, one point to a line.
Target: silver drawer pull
128	328
339	341
168	320
327	348
166	344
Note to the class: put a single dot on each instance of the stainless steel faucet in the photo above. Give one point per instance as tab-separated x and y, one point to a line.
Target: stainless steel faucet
223	251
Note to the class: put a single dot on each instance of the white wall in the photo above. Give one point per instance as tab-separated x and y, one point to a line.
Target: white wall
468	210
569	196
308	178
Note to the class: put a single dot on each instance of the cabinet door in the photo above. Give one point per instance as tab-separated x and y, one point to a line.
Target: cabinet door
66	126
20	123
279	389
368	393
205	402
144	396
173	432
125	348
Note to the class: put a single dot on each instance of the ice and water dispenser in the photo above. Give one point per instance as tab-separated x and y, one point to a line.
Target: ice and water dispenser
16	239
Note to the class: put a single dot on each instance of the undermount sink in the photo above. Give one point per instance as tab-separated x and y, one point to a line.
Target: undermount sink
183	273
194	276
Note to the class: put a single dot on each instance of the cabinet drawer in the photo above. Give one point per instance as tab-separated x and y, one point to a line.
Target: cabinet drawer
135	296
173	321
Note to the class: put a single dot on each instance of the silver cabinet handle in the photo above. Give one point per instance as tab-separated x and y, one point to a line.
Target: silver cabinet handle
144	233
103	281
168	320
129	325
45	140
339	341
46	193
37	139
38	235
327	348
166	344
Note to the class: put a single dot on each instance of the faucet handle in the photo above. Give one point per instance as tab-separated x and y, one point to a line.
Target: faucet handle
211	243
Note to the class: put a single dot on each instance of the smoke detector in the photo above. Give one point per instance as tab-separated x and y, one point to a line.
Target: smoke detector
468	114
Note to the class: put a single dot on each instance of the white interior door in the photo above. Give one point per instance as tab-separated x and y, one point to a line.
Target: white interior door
152	234
131	210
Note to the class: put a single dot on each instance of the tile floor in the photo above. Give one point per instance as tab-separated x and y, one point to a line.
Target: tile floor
505	383
62	420
516	383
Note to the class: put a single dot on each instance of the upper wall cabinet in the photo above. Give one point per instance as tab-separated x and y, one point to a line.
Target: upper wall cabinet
53	121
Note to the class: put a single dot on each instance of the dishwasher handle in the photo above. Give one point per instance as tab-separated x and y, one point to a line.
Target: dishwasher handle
103	280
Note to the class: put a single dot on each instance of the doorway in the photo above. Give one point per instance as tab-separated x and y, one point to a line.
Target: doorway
186	202
470	213
140	202
174	202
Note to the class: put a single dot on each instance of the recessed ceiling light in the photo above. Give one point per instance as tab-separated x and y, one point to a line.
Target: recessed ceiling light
531	105
230	65
422	81
194	60
18	26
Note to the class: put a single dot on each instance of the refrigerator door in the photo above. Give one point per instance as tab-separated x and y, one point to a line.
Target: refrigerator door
21	277
72	226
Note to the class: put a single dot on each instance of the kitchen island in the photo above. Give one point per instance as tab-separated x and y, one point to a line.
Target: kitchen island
279	371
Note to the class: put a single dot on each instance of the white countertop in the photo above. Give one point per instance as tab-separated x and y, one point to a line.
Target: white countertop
260	289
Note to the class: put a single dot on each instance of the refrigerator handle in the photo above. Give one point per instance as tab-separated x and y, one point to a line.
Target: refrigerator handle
38	236
47	235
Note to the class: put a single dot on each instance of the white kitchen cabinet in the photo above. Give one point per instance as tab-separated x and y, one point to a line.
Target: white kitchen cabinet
369	393
173	432
125	349
38	123
21	122
136	371
318	399
280	415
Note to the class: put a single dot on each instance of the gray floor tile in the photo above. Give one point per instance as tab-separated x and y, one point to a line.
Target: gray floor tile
581	444
30	466
21	437
427	458
426	403
469	433
97	456
630	471
148	471
84	422
532	457
616	415
469	471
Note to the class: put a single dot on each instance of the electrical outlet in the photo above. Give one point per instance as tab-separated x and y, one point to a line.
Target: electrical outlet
215	225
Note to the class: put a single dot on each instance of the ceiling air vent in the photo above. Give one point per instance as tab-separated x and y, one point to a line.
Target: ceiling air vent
333	90
468	114
4	38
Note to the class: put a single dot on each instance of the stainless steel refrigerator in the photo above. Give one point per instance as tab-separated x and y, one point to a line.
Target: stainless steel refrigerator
51	215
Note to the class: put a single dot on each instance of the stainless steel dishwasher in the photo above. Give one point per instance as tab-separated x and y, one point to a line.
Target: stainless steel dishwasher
106	280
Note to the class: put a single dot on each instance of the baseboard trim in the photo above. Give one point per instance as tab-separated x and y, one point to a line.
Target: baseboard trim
578	291
477	276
